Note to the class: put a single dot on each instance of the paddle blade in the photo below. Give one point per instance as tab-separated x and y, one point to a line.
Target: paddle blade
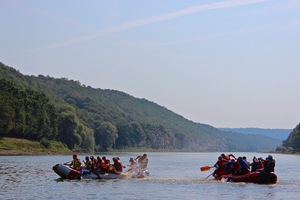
205	168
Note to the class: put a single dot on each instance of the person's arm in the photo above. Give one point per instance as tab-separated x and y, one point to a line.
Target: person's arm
216	165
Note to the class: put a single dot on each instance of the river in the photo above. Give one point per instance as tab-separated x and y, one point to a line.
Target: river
172	176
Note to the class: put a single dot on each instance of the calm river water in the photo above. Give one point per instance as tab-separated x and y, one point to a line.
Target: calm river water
172	176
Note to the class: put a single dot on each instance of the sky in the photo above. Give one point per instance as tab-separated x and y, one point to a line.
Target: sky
226	63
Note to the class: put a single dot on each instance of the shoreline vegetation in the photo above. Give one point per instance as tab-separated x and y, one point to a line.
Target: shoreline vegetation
19	147
16	146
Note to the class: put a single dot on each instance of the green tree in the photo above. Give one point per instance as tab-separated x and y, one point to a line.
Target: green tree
67	130
88	143
105	135
131	135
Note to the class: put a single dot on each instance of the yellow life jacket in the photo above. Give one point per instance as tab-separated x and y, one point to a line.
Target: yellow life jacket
76	163
87	164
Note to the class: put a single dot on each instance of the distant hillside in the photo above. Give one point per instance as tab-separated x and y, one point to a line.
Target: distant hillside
292	143
83	118
280	134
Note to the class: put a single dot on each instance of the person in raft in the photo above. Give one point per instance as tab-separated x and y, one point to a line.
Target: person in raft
94	167
134	167
220	165
227	157
142	161
117	166
222	162
269	164
240	167
75	164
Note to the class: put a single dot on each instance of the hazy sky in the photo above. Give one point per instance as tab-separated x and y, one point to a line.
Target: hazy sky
233	63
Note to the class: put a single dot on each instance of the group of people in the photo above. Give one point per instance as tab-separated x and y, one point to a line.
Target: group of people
229	164
102	165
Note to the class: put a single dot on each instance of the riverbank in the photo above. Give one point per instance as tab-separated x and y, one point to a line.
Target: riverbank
15	146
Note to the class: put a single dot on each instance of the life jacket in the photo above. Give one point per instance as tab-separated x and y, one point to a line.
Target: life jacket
103	167
118	166
221	164
76	163
88	164
260	165
94	164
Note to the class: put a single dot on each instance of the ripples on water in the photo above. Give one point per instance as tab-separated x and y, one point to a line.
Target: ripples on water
172	176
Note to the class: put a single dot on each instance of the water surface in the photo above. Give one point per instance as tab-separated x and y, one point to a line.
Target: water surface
172	176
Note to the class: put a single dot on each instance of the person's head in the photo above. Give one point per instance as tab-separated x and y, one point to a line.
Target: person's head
131	160
244	158
222	155
103	158
269	157
74	155
87	158
145	155
92	157
114	159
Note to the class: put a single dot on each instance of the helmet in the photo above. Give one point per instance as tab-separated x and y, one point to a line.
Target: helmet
269	157
75	155
86	158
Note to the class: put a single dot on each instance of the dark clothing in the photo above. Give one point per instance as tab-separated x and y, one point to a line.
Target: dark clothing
241	167
229	167
269	167
253	167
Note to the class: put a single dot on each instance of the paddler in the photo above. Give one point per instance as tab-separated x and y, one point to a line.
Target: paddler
75	164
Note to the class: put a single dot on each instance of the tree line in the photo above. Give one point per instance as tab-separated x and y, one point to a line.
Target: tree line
83	118
29	114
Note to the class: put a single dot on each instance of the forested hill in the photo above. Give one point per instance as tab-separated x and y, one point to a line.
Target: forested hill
292	143
46	109
280	134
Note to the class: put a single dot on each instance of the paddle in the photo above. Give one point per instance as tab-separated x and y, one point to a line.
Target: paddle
68	162
207	177
205	168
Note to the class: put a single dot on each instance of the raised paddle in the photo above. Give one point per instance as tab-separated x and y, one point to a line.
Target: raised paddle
205	168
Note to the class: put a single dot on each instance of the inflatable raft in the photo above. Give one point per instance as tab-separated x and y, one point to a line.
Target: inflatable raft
259	177
65	172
